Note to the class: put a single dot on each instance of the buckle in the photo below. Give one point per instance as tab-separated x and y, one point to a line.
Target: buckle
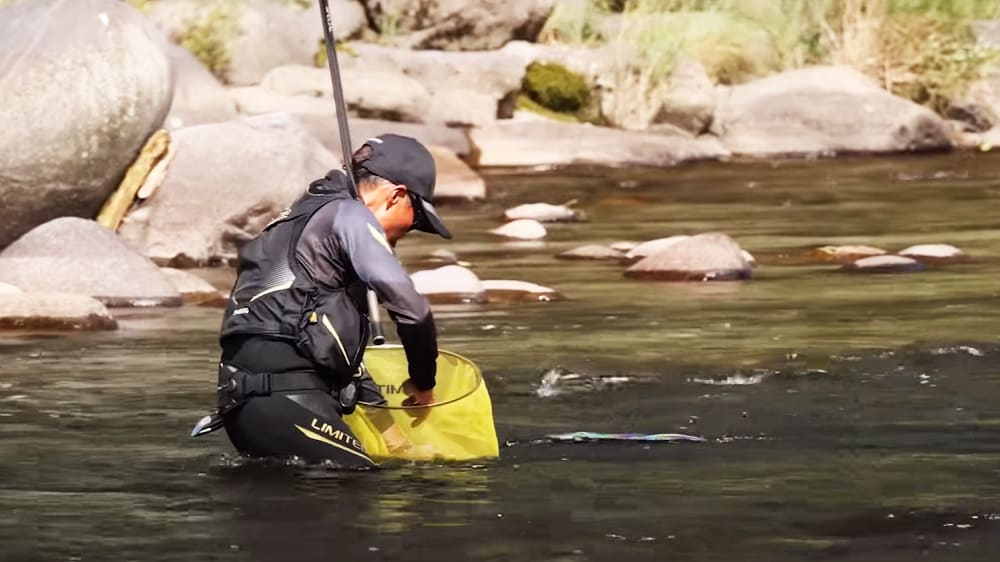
255	384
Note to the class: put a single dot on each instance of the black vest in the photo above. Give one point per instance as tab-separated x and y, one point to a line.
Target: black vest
274	297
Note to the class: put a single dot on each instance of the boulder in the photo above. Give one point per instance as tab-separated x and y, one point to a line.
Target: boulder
53	311
686	99
377	92
654	246
199	97
6	289
193	289
257	100
524	229
884	264
502	290
591	252
978	109
845	254
458	24
934	253
450	284
324	128
987	33
455	179
824	111
550	143
705	257
227	181
246	39
467	88
542	212
73	118
79	256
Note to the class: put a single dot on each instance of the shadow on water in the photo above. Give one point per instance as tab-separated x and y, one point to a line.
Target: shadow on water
847	417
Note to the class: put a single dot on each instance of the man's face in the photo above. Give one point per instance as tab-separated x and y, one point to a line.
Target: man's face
393	209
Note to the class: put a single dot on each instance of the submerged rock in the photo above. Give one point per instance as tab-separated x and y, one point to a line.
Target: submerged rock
591	252
934	253
655	246
824	111
524	229
624	246
450	284
519	291
845	254
193	289
226	183
885	264
83	85
53	311
705	257
79	256
542	212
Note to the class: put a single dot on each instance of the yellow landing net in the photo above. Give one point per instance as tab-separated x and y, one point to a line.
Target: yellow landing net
458	426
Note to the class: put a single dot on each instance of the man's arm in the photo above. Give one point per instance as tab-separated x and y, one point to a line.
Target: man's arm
364	244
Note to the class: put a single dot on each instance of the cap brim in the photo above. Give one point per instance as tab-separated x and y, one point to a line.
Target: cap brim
431	222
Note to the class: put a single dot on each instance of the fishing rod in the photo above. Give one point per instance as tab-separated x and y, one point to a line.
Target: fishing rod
374	314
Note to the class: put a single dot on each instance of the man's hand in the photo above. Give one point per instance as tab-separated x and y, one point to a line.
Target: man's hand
417	397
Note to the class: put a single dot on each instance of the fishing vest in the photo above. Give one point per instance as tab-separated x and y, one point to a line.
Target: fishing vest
273	297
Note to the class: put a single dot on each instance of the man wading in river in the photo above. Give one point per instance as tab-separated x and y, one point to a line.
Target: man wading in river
296	326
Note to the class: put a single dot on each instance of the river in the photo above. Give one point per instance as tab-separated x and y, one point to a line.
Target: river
847	417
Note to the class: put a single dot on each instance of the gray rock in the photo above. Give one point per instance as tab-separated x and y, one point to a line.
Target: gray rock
227	181
979	108
324	128
502	290
523	229
450	284
466	88
654	246
845	254
265	33
537	143
542	212
379	93
705	257
73	118
53	311
934	253
6	289
686	99
884	264
257	100
591	252
455	179
199	97
79	256
193	289
459	24
824	111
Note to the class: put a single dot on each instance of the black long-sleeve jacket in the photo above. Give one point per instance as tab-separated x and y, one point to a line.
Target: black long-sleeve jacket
315	294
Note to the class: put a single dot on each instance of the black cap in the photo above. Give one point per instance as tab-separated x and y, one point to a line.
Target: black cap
404	161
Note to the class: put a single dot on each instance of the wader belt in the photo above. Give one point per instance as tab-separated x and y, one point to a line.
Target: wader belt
263	384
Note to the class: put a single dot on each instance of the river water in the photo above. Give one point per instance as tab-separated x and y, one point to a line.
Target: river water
847	417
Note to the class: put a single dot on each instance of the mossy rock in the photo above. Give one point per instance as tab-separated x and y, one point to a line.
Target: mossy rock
556	87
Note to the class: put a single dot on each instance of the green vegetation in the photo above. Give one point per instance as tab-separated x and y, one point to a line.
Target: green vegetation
140	5
556	87
921	49
208	35
556	92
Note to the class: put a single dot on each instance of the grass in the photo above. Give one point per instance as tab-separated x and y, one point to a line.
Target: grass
208	35
921	49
